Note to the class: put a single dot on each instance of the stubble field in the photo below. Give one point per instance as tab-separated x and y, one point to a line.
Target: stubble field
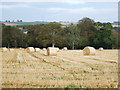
69	69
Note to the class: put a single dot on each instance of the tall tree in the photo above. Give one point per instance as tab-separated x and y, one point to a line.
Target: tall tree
45	35
87	30
103	36
73	36
54	30
11	36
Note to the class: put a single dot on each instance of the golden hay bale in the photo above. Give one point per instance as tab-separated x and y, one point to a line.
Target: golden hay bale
100	49
30	49
37	49
65	48
21	48
11	49
4	49
89	50
44	49
51	51
57	49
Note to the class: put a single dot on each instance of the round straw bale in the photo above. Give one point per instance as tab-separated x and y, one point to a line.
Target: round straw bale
37	49
21	48
51	51
89	50
100	49
4	49
30	49
44	49
57	49
11	49
65	48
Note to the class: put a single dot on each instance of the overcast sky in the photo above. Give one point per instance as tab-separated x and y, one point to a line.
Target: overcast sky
54	10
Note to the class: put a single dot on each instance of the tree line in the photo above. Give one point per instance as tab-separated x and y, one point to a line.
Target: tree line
76	36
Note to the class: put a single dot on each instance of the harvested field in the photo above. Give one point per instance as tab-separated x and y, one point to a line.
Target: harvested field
69	69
